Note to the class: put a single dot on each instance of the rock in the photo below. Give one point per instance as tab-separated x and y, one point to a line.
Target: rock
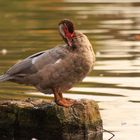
40	120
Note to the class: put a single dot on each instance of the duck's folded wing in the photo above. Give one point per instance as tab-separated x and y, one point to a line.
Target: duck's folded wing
35	62
23	67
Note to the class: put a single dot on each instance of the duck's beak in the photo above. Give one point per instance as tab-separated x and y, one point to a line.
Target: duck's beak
67	36
69	41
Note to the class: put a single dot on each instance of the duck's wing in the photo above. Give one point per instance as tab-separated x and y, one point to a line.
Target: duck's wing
24	66
35	62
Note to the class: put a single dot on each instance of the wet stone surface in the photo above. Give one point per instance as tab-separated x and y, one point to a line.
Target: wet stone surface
28	119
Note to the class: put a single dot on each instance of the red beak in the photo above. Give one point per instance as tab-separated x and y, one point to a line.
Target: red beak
69	41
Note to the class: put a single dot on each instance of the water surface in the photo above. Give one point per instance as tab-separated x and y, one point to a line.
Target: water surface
113	28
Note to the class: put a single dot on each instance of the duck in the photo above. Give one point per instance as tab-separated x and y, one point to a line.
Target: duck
58	69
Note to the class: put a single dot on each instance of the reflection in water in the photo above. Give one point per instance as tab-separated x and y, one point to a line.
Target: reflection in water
27	27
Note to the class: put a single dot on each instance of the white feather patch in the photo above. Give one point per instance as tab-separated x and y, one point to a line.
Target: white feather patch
58	61
34	60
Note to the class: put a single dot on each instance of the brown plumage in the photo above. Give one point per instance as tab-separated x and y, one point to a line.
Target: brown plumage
58	69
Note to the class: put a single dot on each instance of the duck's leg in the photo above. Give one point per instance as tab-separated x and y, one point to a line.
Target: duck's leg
66	100
60	100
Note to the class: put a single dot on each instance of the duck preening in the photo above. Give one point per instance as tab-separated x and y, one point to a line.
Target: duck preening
58	69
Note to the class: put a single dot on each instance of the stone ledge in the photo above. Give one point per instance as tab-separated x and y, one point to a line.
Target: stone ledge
39	119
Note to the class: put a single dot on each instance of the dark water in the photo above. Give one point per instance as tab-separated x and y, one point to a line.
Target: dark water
29	26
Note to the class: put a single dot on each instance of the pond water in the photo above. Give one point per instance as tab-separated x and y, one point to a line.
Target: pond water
113	28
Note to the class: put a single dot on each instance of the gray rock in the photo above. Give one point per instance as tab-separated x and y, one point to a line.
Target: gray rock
38	119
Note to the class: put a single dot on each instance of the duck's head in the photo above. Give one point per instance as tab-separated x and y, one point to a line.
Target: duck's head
66	30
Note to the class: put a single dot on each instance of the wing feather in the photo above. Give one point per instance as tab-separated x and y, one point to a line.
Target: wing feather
33	63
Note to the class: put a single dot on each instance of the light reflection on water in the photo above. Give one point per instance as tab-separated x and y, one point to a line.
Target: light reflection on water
30	26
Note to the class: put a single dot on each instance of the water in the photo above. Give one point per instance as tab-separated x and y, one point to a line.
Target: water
113	28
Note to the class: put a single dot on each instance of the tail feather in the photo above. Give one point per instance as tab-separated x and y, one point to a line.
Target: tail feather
4	77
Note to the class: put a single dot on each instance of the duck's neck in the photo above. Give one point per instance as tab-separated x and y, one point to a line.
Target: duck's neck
82	44
77	40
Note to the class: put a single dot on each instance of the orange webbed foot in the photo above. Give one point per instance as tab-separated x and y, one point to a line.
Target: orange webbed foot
64	102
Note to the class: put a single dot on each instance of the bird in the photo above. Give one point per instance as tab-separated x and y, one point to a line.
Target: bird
58	69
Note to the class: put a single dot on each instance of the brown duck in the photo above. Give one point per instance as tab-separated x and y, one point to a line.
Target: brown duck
58	69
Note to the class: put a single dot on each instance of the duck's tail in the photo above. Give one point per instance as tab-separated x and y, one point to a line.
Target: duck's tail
4	77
